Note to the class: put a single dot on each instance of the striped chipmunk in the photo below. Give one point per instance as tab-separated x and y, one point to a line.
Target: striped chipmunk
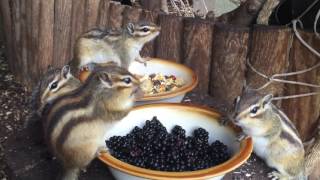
75	123
119	46
275	138
54	83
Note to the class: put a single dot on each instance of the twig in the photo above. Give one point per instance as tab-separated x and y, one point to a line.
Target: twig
315	24
205	7
266	11
296	96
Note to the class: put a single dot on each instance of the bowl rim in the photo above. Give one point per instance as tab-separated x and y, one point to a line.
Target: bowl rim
179	91
238	159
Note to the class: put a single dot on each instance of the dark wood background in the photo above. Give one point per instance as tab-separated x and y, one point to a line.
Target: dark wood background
39	33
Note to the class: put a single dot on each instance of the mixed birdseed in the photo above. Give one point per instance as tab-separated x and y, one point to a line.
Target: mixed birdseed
159	83
152	147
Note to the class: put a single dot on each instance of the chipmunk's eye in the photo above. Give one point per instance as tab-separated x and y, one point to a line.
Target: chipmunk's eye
127	80
254	110
145	29
54	85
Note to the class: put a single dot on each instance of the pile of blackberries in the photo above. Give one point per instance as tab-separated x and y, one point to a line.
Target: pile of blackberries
152	147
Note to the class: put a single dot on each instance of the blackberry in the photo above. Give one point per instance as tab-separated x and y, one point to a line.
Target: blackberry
152	147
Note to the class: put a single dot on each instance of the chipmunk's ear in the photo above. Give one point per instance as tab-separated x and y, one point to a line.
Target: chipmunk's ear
267	99
65	71
130	28
105	79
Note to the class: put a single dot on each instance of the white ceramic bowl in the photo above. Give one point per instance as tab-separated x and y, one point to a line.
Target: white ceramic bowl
166	68
190	118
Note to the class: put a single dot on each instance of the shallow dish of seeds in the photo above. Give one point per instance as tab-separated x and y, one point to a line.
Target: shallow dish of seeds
192	121
184	78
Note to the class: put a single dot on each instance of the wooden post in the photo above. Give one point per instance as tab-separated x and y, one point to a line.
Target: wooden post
78	25
103	14
229	53
304	112
168	44
130	15
197	48
92	7
153	5
115	15
62	31
9	33
269	54
149	49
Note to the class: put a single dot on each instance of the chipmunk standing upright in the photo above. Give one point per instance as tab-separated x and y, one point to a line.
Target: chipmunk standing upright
275	139
75	123
121	47
54	83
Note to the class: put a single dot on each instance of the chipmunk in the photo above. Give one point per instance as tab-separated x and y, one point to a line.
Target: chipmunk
54	83
275	138
75	123
122	47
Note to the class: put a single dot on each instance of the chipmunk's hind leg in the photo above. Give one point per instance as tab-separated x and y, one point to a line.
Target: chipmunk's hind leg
70	173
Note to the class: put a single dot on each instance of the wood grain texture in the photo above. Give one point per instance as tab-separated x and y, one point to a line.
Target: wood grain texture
9	34
103	14
269	54
46	33
153	5
92	12
130	15
115	15
34	70
149	49
24	41
304	112
15	7
229	53
77	22
197	49
168	44
62	32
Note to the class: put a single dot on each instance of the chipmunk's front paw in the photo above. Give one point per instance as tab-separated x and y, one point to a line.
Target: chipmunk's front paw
102	150
275	175
241	137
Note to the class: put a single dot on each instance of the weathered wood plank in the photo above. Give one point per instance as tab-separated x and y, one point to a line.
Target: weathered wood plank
197	49
34	69
304	112
130	15
149	49
91	14
269	54
115	15
78	24
168	44
62	32
24	40
46	34
9	34
229	53
103	14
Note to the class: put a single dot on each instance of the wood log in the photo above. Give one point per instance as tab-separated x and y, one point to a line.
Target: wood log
269	54
103	14
62	32
115	15
197	49
77	22
46	33
304	112
168	44
8	30
92	7
34	70
154	5
130	15
229	53
149	49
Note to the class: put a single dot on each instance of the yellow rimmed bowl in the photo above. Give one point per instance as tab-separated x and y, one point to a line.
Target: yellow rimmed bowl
190	118
165	67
